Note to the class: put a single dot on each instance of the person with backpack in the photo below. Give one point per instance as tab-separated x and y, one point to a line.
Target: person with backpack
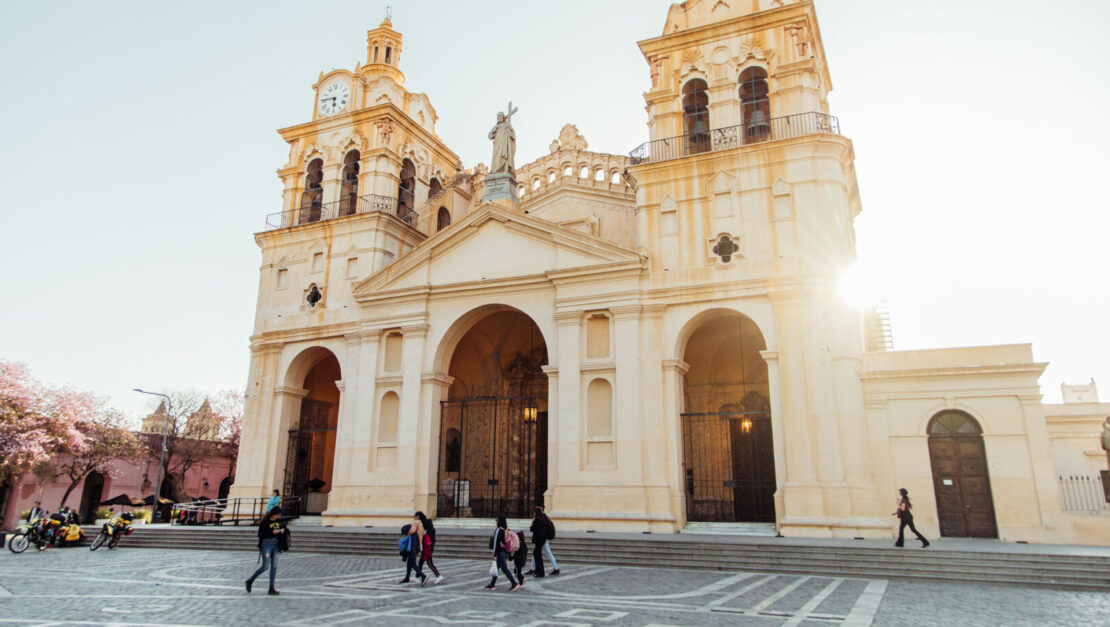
549	536
905	518
270	533
503	544
520	558
412	536
428	546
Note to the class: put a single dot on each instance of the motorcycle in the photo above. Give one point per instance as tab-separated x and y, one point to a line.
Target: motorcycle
112	531
38	532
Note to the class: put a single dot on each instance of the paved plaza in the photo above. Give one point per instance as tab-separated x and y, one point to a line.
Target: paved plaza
183	587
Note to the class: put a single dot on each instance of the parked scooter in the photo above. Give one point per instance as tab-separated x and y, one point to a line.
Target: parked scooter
112	531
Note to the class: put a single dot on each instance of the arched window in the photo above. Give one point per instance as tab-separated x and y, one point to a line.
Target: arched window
567	170
551	176
584	172
953	423
375	54
388	54
599	175
616	178
695	116
312	199
434	187
443	219
406	193
348	197
755	107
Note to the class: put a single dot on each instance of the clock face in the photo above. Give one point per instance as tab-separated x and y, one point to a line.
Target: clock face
333	98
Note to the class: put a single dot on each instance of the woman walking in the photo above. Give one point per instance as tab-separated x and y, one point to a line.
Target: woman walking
428	546
270	530
416	541
499	544
905	516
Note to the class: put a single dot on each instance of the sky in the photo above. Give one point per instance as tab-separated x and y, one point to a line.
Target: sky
138	154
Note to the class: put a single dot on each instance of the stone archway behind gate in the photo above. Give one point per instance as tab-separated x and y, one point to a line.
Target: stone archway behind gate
492	447
310	447
728	455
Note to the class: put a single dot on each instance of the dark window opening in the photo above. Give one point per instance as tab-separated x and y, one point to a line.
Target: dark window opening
725	248
348	197
695	116
443	219
314	296
755	106
406	193
312	199
388	54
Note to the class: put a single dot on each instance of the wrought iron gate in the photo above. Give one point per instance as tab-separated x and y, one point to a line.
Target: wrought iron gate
729	466
492	457
305	456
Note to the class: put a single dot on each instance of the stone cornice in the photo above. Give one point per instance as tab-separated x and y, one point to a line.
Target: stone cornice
415	331
437	378
291	391
953	371
569	318
676	365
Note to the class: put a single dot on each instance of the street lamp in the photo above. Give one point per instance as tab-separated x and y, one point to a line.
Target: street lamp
162	459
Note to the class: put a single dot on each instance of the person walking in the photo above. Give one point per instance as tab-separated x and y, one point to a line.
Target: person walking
546	546
541	525
428	546
905	517
275	501
416	542
499	544
520	558
270	531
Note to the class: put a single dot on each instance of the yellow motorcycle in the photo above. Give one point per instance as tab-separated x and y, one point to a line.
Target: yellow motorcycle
112	531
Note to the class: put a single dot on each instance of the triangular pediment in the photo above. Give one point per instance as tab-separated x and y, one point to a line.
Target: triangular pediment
493	243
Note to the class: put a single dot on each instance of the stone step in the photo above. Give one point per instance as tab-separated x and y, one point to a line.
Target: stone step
1077	572
730	529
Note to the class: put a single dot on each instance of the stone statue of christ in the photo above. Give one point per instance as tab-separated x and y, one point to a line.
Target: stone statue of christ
504	143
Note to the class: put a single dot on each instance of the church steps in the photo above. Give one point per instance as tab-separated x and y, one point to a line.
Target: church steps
1077	572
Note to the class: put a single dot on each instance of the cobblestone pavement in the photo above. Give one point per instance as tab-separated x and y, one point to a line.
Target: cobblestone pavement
180	587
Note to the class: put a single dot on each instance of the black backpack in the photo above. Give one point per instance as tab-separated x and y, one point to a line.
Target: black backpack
550	529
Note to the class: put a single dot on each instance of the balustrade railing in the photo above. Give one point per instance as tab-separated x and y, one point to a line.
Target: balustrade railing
348	206
1080	493
755	132
230	511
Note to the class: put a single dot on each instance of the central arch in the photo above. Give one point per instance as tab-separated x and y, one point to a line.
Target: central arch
727	445
493	424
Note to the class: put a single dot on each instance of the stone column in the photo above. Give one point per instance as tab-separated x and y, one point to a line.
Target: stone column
251	477
565	436
553	422
674	370
345	440
627	422
287	410
412	426
434	389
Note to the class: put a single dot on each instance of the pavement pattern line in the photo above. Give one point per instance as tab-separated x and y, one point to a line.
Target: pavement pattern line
867	605
766	603
806	611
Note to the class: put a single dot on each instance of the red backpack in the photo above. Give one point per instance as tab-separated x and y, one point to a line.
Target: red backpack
512	541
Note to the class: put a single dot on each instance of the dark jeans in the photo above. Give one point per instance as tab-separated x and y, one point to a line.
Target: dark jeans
411	565
269	559
907	521
537	558
503	564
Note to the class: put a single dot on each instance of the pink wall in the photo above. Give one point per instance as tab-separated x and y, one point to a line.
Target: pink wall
124	478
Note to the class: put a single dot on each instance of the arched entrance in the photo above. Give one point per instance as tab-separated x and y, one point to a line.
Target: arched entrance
311	451
91	495
727	448
493	425
965	506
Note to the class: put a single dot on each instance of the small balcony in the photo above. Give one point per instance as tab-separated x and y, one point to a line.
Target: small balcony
756	131
349	206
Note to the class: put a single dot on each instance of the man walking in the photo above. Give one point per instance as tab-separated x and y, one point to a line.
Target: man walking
549	535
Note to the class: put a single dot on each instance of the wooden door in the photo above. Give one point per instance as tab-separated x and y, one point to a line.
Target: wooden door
962	486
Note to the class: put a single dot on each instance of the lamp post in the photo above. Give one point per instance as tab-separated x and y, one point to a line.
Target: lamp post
162	458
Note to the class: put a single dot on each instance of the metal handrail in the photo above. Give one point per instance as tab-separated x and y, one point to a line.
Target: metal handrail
231	511
773	129
347	206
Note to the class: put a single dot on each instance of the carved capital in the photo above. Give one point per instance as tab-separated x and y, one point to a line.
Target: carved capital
291	391
676	365
626	311
437	378
415	331
568	318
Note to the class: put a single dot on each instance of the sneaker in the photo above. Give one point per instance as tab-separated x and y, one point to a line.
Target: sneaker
515	588
491	587
272	592
530	571
404	581
423	579
924	544
249	584
438	579
555	572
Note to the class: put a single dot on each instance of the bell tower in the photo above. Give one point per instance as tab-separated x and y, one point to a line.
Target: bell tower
746	196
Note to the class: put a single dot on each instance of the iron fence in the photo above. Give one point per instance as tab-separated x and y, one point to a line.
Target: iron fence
755	132
1079	493
348	206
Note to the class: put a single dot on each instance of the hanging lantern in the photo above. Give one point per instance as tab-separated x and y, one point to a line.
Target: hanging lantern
530	414
746	426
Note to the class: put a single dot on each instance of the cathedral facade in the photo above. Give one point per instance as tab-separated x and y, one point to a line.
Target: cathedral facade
656	342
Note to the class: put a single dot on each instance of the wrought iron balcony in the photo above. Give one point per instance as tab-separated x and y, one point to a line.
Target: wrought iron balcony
756	131
349	206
